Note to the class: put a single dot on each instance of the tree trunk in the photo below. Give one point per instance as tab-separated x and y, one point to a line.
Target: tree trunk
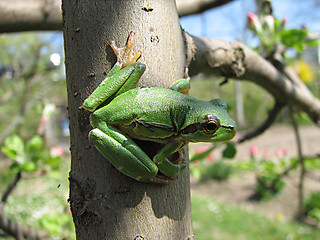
106	204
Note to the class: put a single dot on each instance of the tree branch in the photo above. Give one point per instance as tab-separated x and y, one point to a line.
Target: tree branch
189	7
20	15
44	15
235	60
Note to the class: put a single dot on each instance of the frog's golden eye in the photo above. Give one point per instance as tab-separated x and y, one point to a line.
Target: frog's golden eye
211	123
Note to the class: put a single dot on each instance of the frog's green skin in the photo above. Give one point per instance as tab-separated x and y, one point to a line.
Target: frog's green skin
153	114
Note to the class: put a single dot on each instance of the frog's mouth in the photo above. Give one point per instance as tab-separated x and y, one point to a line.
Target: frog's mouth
192	128
197	131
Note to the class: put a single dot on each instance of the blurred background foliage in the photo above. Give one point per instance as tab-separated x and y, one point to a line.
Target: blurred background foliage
34	141
35	146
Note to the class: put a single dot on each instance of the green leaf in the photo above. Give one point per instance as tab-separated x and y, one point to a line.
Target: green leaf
312	43
11	153
246	165
34	144
220	170
50	222
202	155
29	167
230	150
315	214
53	222
196	172
15	167
294	38
14	148
54	162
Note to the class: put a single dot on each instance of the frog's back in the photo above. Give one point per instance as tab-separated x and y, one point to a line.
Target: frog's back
150	104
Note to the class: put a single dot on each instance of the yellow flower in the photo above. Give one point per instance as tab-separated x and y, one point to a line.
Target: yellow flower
279	217
304	71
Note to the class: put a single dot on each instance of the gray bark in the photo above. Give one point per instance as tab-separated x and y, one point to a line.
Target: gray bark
106	204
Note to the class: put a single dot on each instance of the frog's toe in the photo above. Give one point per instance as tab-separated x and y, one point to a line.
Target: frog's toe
125	57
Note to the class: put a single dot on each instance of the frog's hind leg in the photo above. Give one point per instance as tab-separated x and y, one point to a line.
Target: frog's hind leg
123	153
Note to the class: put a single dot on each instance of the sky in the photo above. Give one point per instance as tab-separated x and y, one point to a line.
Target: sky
228	22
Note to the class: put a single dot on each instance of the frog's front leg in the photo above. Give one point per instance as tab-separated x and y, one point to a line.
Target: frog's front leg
113	86
165	166
123	76
183	84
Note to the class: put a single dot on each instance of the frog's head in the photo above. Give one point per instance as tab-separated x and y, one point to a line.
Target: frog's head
212	125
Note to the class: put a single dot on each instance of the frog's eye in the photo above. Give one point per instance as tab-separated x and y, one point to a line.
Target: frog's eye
211	123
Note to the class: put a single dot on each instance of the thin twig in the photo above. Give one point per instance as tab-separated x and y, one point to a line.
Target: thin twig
301	163
17	230
265	125
12	228
11	186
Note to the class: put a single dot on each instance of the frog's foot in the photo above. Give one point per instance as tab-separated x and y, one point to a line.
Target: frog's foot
176	161
125	57
179	159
